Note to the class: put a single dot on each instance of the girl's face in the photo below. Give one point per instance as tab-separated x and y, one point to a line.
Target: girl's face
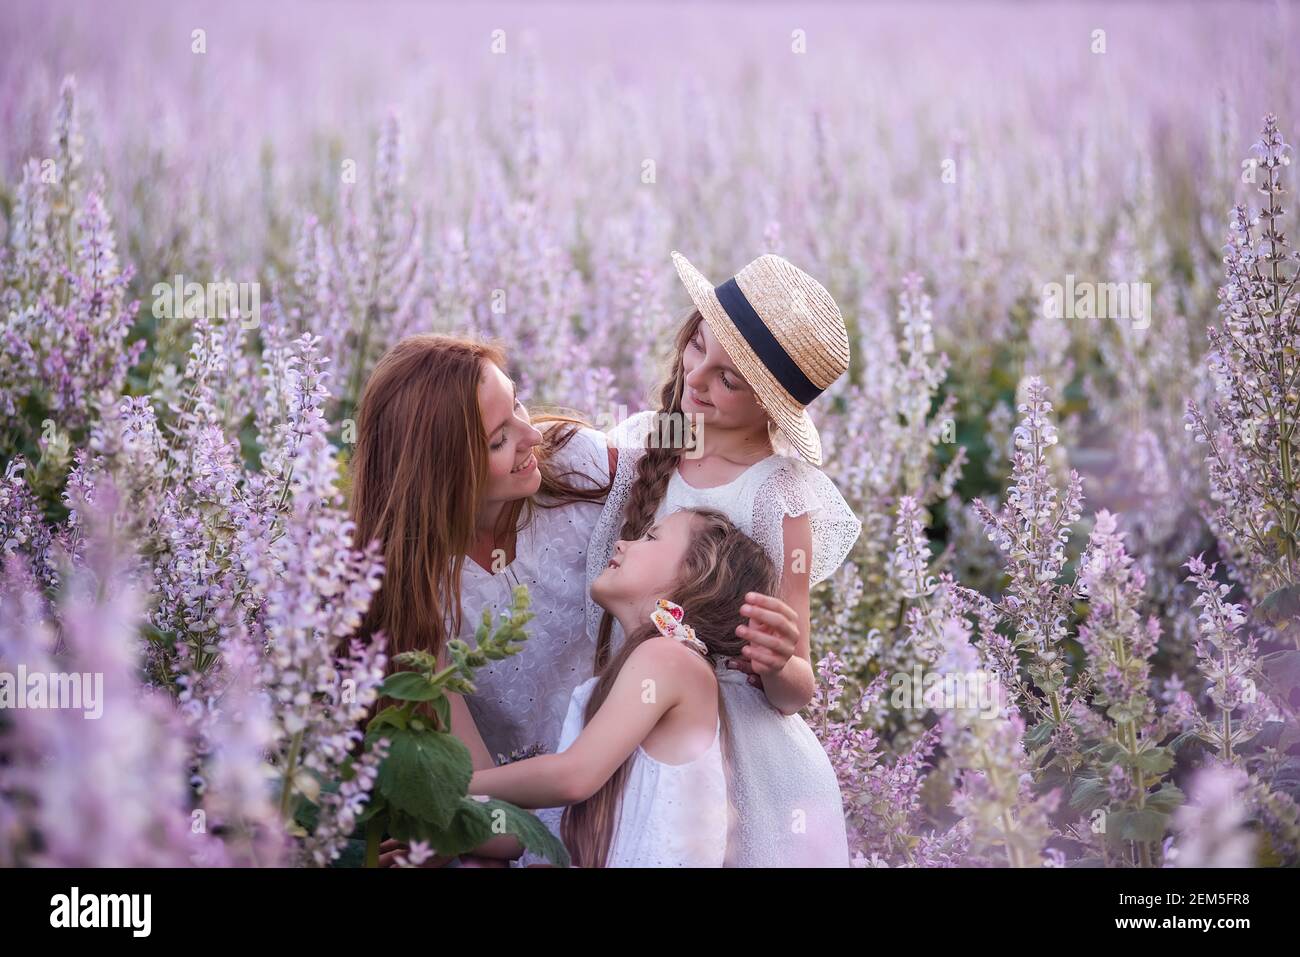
643	570
512	466
714	390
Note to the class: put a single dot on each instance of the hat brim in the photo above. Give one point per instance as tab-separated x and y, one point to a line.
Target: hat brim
788	415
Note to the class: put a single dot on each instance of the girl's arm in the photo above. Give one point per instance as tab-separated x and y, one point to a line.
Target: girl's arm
778	649
649	684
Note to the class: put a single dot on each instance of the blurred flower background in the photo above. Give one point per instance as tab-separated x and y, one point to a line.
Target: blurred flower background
1102	512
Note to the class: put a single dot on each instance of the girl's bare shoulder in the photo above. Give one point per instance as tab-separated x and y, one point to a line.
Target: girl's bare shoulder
663	657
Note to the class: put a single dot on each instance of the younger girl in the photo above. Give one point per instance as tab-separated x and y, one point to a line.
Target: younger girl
641	753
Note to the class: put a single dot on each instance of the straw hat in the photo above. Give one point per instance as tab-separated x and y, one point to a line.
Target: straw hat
785	334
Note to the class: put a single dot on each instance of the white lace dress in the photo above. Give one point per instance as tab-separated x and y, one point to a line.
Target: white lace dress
786	799
522	700
671	815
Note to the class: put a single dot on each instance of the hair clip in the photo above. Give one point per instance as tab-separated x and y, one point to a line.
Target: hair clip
667	617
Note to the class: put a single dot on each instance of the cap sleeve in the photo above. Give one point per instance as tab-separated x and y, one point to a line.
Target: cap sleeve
794	488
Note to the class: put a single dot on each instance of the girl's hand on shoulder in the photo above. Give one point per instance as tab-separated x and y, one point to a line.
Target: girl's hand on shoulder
772	635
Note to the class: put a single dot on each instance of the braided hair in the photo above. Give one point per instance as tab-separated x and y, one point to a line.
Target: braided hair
655	468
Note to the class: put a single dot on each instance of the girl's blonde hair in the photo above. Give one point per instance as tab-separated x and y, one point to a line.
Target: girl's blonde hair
721	566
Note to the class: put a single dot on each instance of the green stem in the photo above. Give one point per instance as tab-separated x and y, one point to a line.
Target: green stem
374	832
286	789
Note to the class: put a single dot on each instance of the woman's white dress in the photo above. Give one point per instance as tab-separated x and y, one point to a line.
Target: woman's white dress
671	815
786	799
522	700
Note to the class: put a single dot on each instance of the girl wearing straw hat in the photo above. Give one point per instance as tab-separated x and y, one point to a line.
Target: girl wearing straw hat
749	359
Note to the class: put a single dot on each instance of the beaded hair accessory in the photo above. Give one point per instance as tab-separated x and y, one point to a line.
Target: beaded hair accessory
667	617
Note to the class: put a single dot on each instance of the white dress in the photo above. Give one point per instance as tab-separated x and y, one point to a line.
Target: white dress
787	802
671	815
522	700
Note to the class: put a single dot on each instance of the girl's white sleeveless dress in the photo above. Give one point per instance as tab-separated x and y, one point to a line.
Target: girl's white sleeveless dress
786	802
522	700
671	815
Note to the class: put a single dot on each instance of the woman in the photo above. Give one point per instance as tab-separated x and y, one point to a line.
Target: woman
469	498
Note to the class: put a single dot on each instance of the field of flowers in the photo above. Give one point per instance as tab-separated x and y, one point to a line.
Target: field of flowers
215	218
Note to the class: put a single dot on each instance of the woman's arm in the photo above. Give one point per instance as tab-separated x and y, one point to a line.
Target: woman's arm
647	687
778	648
464	728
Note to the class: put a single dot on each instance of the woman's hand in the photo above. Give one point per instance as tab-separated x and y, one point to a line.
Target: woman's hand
772	636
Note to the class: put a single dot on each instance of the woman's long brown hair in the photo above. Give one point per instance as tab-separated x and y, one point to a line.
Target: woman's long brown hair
419	471
655	467
722	564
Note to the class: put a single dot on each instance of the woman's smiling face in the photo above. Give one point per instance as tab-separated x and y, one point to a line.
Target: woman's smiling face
714	390
641	571
512	466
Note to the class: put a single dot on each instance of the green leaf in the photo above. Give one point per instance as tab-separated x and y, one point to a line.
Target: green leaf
476	822
1176	744
404	828
425	774
1145	824
385	724
1039	734
1089	793
1168	797
530	831
409	686
1123	711
469	828
479	821
394	716
1280	606
442	708
1152	761
1281	673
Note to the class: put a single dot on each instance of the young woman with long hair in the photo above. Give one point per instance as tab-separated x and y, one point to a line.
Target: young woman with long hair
470	496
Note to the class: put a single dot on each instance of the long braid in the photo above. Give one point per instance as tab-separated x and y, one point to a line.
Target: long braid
655	468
